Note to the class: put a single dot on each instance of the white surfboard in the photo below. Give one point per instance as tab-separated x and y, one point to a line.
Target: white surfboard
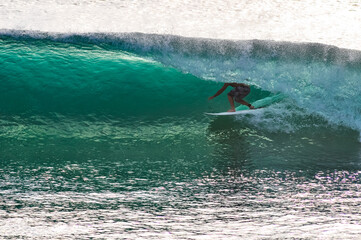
259	104
233	113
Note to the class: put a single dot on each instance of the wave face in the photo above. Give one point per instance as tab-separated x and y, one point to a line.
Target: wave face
160	75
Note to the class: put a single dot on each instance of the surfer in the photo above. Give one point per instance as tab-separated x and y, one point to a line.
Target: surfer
239	91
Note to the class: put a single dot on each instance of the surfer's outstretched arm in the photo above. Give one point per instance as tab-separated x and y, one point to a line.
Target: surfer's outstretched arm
219	91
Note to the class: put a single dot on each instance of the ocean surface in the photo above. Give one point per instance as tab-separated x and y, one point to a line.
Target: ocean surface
103	133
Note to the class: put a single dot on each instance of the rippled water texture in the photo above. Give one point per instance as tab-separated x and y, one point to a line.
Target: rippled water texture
214	179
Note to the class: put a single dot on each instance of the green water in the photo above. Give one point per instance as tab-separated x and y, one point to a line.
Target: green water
98	142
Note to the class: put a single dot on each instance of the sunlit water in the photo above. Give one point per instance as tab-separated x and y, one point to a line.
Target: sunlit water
199	181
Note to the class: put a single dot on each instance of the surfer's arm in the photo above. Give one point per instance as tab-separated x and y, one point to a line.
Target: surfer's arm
219	91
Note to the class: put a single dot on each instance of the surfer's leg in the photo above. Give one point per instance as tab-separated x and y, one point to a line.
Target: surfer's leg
230	99
241	101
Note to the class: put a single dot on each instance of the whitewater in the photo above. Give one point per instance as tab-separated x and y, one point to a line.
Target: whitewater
329	22
103	132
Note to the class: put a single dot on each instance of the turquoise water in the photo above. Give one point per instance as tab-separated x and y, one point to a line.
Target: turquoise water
105	136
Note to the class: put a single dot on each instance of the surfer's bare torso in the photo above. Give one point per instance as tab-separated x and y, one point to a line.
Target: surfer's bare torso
239	91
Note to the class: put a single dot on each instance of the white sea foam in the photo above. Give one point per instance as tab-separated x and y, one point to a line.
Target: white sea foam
329	22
